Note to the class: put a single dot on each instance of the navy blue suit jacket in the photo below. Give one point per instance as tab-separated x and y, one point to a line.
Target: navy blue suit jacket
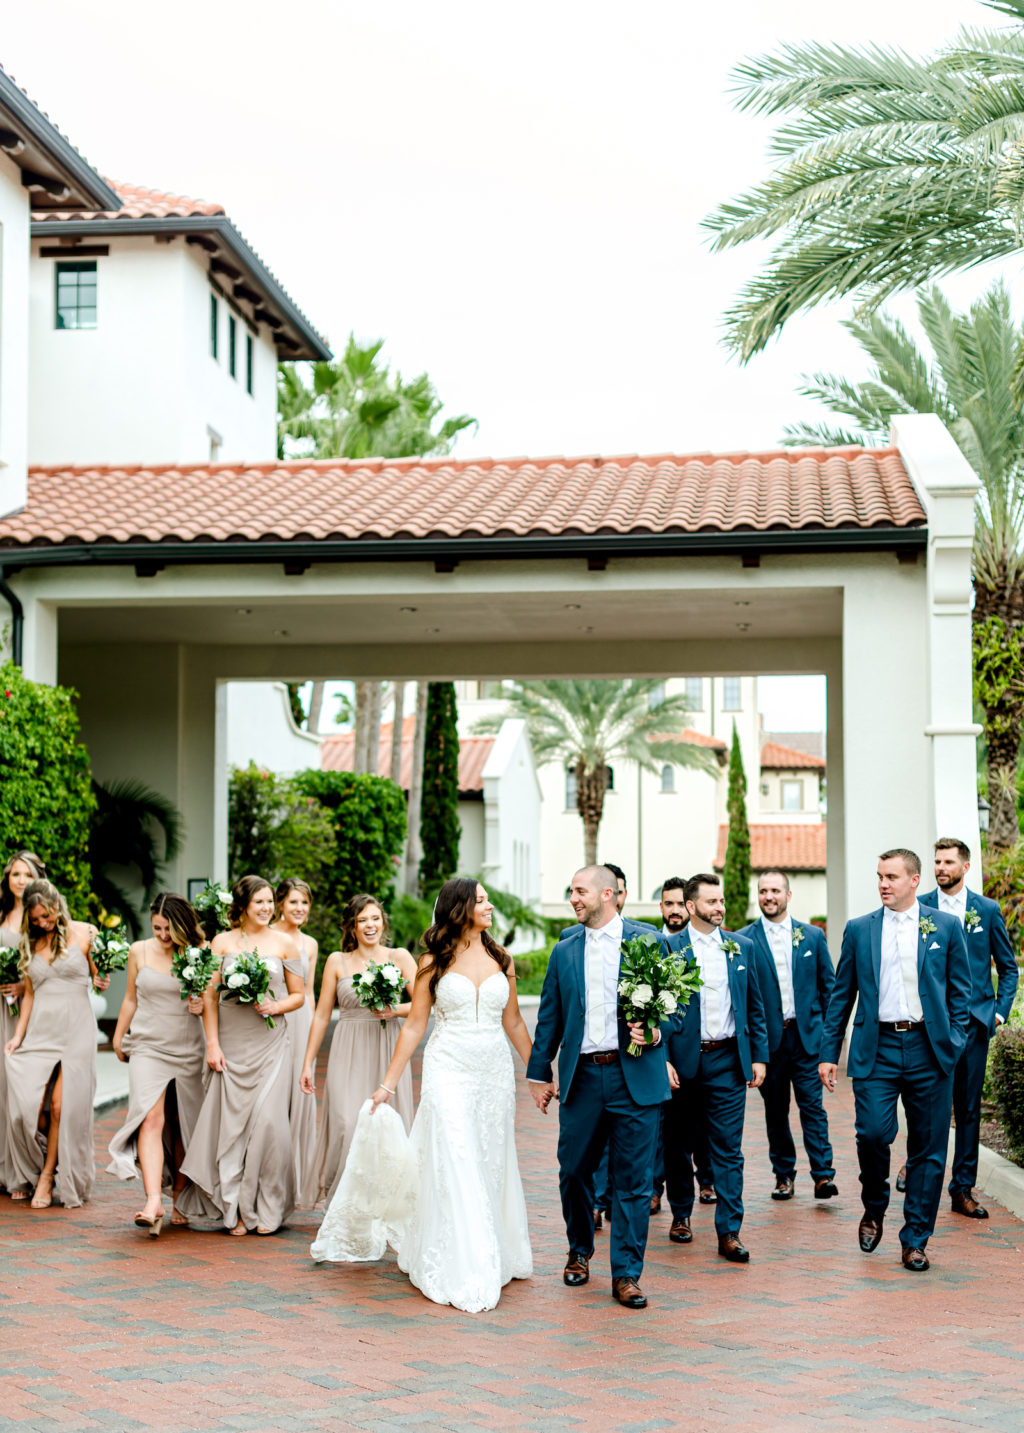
988	941
813	975
561	1018
943	981
747	1009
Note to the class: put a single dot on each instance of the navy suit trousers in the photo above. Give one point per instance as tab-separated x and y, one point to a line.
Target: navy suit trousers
602	1180
602	1112
711	1105
791	1068
906	1069
968	1082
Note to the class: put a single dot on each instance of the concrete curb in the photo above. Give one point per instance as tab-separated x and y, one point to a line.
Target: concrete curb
999	1178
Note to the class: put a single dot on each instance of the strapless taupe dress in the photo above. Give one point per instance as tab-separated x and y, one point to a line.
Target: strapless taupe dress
167	1049
303	1108
61	1031
240	1156
361	1051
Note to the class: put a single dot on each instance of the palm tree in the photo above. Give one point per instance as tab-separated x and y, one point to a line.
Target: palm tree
130	826
892	171
968	380
588	726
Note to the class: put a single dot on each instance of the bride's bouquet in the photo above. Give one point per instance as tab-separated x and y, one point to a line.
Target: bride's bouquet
248	981
193	968
10	974
653	984
109	948
379	986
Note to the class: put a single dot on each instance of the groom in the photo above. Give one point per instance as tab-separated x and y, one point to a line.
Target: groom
605	1094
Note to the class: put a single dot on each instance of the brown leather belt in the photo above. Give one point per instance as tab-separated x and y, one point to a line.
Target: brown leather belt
602	1057
717	1044
901	1025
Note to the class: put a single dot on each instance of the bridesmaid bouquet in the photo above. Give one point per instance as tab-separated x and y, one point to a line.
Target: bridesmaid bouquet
109	949
379	986
10	974
193	968
213	901
652	984
248	981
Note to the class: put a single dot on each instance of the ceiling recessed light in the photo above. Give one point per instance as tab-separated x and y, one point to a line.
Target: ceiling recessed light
280	632
432	630
741	604
572	606
743	626
408	609
584	629
244	611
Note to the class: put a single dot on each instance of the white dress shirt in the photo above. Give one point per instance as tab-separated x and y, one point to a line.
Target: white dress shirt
601	986
955	905
717	1021
779	935
898	997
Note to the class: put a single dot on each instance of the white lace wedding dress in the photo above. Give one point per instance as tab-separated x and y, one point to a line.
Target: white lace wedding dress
448	1198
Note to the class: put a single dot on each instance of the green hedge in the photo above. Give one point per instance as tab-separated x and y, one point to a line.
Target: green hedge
1006	1082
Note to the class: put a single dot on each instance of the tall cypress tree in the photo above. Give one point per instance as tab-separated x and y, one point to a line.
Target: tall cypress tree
439	814
736	876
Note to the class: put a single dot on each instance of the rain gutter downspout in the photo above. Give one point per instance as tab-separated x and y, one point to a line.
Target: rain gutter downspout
17	618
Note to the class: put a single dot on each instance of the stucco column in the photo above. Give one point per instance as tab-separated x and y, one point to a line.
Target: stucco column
197	767
948	488
39	657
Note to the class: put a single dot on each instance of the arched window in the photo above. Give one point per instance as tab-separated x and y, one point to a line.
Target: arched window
668	778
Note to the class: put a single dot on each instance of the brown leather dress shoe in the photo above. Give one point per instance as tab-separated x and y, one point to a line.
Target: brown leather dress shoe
707	1194
681	1233
968	1206
916	1260
825	1189
627	1292
901	1179
576	1271
869	1234
598	1219
655	1203
730	1248
783	1187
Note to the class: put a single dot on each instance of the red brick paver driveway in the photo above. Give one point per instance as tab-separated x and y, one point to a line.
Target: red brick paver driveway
101	1327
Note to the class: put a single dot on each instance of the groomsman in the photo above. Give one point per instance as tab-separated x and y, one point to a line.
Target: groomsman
718	1048
606	1095
907	966
987	941
795	975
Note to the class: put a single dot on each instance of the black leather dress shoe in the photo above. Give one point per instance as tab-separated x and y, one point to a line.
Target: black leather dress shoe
707	1194
598	1219
730	1248
901	1179
655	1203
968	1206
576	1271
627	1292
825	1189
681	1233
869	1234
783	1187
916	1260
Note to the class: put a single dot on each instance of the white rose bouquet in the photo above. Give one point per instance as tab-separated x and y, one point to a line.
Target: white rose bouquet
193	968
110	947
379	987
653	984
248	981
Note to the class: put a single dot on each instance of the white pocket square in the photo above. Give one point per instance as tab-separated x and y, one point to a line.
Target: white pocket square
934	945
806	954
741	967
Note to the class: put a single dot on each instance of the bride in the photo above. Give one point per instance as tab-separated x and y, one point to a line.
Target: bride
459	1223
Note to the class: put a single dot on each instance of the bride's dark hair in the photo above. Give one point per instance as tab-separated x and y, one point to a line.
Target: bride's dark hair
453	916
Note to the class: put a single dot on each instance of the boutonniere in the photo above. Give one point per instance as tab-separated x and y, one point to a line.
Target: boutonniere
972	919
798	936
927	925
731	948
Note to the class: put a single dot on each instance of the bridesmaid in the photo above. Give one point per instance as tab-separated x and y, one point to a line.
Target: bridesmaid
51	1058
294	901
240	1155
24	866
361	1047
165	1072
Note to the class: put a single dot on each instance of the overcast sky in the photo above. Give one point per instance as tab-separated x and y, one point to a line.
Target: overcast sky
509	195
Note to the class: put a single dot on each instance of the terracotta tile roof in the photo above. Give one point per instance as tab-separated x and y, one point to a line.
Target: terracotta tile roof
336	754
138	203
785	758
699	738
415	498
789	847
811	742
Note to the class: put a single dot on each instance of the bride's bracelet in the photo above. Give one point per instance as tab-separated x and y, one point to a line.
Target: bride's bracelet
384	1087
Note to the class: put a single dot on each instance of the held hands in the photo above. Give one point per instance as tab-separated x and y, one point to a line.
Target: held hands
758	1072
828	1075
215	1059
542	1095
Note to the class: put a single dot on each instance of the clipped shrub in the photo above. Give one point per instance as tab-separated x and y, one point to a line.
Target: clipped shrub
1006	1083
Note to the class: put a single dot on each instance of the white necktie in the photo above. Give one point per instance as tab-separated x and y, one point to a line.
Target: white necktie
709	992
595	989
906	945
782	964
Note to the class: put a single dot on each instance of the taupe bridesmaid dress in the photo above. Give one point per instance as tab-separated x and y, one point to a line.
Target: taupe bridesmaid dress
8	1023
166	1048
303	1110
61	1031
240	1156
361	1051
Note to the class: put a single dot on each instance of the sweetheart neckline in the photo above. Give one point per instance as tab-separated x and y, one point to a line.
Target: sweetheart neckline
493	975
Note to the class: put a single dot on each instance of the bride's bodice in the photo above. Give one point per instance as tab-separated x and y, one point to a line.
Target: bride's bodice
463	1006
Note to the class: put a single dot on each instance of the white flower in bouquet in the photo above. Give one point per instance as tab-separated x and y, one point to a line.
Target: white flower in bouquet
652	984
669	1003
643	994
223	896
378	987
272	966
189	972
237	980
